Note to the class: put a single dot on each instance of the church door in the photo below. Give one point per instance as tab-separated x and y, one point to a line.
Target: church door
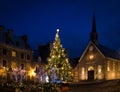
91	75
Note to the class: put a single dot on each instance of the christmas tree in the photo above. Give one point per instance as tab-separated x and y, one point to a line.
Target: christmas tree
59	62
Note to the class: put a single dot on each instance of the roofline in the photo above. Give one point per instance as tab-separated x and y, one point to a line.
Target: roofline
87	48
113	58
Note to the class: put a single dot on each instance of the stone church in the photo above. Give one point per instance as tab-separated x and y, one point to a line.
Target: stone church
97	62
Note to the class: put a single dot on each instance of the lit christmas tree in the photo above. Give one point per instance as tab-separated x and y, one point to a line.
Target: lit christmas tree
58	62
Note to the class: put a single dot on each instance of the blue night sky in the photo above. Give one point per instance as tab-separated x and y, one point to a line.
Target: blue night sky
39	19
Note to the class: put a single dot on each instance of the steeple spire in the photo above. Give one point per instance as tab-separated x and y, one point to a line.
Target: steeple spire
94	24
94	34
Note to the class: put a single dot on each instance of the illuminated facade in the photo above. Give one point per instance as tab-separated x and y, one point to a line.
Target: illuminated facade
15	52
97	61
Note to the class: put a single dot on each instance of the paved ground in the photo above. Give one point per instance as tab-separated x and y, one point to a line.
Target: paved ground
106	86
94	86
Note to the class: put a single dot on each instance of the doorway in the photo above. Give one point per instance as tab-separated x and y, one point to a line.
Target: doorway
90	73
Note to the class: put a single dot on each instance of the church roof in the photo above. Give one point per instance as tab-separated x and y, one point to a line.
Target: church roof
74	61
107	52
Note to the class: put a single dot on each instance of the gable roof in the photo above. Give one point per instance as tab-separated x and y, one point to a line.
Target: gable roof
16	41
73	62
110	53
104	51
90	43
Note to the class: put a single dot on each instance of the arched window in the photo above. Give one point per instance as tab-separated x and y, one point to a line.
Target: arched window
83	70
90	68
99	69
108	66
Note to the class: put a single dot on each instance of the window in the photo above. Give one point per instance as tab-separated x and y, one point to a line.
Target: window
4	51
83	70
108	66
91	57
28	57
13	64
90	68
13	54
4	63
99	69
22	55
113	66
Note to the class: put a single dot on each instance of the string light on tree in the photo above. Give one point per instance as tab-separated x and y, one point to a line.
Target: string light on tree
59	60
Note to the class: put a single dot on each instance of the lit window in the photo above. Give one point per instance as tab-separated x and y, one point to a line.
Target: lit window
13	64
108	66
90	68
83	70
13	53
113	66
91	57
99	68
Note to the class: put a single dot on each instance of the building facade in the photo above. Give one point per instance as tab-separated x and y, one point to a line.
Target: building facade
15	53
97	61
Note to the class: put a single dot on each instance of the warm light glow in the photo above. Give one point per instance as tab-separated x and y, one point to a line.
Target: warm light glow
32	73
13	53
13	64
83	70
83	74
91	57
110	75
90	68
53	56
99	68
108	66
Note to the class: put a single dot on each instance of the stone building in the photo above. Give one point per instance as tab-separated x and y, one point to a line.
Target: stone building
97	61
15	52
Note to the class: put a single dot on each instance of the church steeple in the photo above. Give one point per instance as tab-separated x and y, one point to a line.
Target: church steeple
94	34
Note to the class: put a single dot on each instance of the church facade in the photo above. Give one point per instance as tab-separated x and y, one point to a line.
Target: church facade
97	61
